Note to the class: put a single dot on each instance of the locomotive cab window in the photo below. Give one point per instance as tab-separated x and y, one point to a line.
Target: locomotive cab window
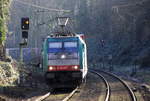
55	45
70	44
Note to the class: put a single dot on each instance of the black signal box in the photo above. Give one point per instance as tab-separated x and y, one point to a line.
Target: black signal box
25	23
25	34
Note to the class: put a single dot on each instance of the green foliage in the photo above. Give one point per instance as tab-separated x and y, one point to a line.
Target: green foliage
4	12
2	30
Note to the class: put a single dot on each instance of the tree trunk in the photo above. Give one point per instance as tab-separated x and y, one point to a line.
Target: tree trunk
2	52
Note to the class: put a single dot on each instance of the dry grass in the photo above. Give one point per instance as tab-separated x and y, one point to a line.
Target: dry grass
8	74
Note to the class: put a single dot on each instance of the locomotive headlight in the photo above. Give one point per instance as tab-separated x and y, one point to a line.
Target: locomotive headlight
75	67
51	68
63	56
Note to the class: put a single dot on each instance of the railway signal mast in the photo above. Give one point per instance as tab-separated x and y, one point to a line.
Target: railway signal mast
25	29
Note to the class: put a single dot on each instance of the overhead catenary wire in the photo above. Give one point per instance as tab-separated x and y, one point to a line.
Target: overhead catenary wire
46	8
59	11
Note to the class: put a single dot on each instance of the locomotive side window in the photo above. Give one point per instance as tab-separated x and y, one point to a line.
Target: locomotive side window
55	45
70	44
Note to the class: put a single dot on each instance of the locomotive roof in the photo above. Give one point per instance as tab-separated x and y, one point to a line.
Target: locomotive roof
62	35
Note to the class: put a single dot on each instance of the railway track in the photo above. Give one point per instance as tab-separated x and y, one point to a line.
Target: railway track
106	84
120	90
61	96
114	89
70	95
96	85
95	89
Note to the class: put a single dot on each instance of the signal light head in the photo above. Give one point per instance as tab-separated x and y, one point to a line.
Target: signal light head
25	34
25	23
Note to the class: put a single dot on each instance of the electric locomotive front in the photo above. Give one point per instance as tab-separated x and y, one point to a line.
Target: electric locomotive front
64	61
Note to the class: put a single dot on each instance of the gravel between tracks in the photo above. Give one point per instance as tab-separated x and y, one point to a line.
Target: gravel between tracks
58	94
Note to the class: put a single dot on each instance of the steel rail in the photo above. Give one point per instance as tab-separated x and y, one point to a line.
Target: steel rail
70	95
106	83
132	95
43	97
